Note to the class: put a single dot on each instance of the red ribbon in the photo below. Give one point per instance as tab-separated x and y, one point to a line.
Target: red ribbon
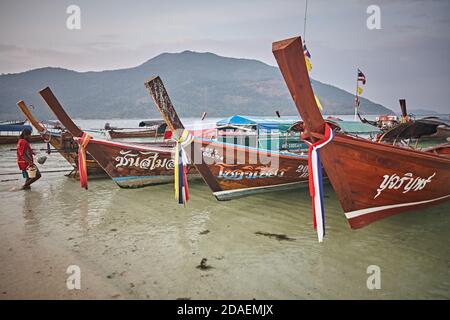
82	144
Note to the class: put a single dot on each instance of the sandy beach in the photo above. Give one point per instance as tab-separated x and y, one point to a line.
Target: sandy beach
139	244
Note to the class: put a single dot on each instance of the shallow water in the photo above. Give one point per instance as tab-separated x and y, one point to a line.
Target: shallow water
146	246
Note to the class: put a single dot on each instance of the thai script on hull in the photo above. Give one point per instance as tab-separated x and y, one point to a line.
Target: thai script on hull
143	160
407	183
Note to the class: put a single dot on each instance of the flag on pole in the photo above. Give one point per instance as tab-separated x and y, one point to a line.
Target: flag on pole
307	57
357	102
360	90
305	51
361	77
308	64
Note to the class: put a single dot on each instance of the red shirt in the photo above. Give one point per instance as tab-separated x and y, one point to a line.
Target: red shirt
23	149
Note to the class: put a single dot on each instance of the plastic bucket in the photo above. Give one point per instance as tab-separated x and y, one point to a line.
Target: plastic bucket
31	171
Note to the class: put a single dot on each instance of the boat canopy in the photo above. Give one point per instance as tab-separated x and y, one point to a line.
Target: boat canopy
419	128
269	124
355	127
151	123
14	127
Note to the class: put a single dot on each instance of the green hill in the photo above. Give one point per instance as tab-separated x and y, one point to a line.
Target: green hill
196	82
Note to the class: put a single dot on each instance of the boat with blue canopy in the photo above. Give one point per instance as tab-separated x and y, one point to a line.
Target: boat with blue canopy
9	133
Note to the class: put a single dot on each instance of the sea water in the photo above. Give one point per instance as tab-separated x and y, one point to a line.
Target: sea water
145	245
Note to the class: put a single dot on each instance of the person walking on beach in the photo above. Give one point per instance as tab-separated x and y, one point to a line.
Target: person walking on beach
25	158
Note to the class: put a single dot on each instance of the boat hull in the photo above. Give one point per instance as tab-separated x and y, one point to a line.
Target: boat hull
372	180
135	166
233	171
13	139
133	134
383	180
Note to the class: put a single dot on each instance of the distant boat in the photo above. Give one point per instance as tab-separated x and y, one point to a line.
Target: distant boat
372	180
426	129
14	122
410	130
10	133
153	129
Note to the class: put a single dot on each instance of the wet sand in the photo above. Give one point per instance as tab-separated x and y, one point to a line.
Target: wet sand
139	244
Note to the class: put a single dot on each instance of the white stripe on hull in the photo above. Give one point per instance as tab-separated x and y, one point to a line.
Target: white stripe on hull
357	213
236	193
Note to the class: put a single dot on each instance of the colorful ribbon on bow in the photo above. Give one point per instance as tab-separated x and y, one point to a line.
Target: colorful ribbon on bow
180	170
82	144
315	180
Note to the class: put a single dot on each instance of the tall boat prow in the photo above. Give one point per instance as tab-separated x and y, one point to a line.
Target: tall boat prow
372	180
130	165
161	98
235	167
60	113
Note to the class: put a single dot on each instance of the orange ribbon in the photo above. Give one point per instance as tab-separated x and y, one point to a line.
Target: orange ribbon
82	144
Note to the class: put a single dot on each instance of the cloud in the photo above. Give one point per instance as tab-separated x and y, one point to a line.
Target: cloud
413	45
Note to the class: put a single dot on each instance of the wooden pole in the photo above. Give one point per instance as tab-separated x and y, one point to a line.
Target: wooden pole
356	96
304	24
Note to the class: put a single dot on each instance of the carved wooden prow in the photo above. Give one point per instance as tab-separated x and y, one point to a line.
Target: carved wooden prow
34	122
161	98
403	107
291	60
59	112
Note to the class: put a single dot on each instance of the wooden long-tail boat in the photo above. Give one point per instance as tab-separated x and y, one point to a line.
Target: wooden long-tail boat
371	180
63	142
154	129
119	134
129	165
13	122
9	132
13	139
232	170
408	130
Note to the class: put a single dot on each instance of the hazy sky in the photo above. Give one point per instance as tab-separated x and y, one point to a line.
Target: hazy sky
407	58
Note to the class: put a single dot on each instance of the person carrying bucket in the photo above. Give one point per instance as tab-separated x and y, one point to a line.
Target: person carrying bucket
25	159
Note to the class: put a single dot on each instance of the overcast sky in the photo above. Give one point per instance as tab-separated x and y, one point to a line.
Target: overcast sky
407	58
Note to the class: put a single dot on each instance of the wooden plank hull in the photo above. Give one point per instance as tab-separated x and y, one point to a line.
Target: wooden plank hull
135	166
384	180
115	134
234	171
13	139
371	180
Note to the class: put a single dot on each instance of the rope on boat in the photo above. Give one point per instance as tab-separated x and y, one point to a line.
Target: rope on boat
46	133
